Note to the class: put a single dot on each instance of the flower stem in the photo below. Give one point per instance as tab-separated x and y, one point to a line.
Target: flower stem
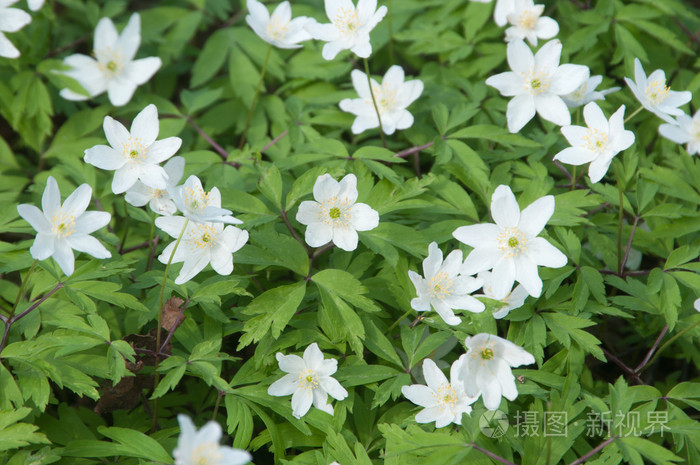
374	102
620	188
151	241
158	317
633	114
573	178
22	286
391	33
668	343
126	227
255	97
393	325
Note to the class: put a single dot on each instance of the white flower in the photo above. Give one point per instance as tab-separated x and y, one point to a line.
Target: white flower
443	288
61	228
35	5
528	23
537	84
511	246
598	143
279	29
486	368
202	447
512	300
158	199
654	95
115	69
685	130
392	96
349	27
335	216
696	305
502	10
586	92
308	380
11	20
134	154
198	205
444	401
201	244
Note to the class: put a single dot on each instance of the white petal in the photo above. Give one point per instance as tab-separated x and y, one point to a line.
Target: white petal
552	108
452	263
508	84
116	133
191	268
598	168
284	386
309	212
675	133
546	28
63	255
543	253
313	357
513	354
526	274
104	157
78	201
105	34
325	187
124	178
433	262
175	168
477	235
481	259
503	277
434	377
91	221
334	389
89	245
51	199
575	156
34	217
222	261
43	246
130	38
301	402
8	50
568	78
13	19
520	58
445	313
547	58
348	188
291	363
320	401
535	216
172	225
506	380
520	111
419	395
595	119
345	239
504	208
120	91
145	126
464	302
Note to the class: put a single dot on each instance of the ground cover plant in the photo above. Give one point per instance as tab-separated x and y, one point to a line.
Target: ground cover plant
401	232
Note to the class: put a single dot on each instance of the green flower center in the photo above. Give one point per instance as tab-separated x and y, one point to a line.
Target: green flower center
309	378
535	83
486	354
334	212
513	242
205	238
112	66
134	153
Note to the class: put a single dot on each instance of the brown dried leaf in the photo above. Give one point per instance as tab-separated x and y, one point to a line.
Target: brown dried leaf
172	315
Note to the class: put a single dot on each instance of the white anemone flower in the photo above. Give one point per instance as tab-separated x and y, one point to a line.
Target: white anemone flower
201	244
529	24
62	228
393	96
586	93
202	447
598	143
11	20
335	215
158	199
444	401
685	130
113	69
279	29
511	246
443	287
511	300
35	5
537	83
487	366
134	155
198	205
502	10
308	380
654	95
349	27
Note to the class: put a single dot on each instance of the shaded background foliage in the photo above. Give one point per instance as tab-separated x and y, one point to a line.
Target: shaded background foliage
76	373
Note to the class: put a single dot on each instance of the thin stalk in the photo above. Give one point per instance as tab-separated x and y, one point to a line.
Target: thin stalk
393	325
620	188
391	32
151	242
126	227
255	97
668	343
573	178
374	102
22	286
633	114
220	394
158	317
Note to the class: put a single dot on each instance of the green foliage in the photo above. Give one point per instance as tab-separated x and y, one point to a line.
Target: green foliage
614	333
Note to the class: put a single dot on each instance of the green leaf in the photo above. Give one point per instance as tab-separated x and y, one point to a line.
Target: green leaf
270	184
212	57
273	309
652	451
361	375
